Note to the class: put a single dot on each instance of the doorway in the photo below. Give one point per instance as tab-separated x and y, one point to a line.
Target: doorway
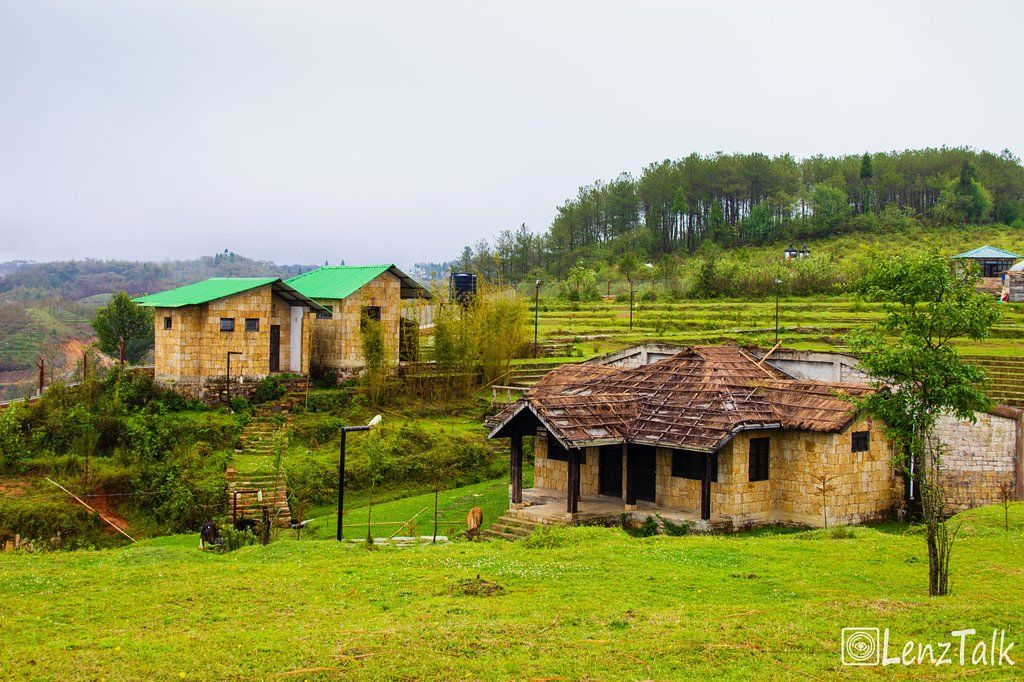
609	472
644	460
275	348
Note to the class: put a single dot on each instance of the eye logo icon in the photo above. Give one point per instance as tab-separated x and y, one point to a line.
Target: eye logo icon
860	646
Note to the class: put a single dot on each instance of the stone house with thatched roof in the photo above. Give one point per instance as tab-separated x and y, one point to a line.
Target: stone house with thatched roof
714	435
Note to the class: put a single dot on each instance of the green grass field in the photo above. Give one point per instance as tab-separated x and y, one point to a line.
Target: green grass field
584	603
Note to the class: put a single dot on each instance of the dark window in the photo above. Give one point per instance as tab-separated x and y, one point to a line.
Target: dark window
321	315
691	465
557	451
252	324
227	324
167	323
861	441
759	459
370	312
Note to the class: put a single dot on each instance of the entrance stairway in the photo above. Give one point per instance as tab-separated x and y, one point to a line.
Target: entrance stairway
256	477
510	527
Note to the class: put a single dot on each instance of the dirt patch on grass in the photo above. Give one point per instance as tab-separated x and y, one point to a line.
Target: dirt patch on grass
478	587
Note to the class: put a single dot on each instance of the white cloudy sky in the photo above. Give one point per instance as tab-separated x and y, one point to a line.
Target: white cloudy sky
300	131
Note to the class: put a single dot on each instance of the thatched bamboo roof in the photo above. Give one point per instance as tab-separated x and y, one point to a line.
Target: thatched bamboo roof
696	400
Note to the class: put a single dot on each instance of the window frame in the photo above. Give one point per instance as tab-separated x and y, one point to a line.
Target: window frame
366	314
227	324
759	459
255	326
864	446
321	315
168	322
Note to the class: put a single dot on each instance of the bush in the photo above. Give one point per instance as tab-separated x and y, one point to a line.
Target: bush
267	390
674	529
231	539
55	523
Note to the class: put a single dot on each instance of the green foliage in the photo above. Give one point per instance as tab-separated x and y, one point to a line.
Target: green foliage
267	390
674	529
647	529
122	318
581	284
919	374
965	200
231	540
831	208
378	371
52	523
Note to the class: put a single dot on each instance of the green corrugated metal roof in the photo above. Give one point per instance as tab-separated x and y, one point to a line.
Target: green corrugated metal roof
340	281
203	292
219	287
988	252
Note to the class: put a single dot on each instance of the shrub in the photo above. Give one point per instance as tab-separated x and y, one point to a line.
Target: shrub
268	389
674	529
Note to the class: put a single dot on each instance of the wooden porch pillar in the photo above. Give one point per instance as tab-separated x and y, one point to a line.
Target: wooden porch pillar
705	490
630	479
572	496
516	468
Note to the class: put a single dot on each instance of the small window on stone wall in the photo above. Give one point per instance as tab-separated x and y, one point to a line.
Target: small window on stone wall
370	312
758	469
861	441
325	315
227	324
252	324
167	323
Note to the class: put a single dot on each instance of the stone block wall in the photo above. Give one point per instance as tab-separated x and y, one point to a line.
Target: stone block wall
194	350
337	342
554	474
977	459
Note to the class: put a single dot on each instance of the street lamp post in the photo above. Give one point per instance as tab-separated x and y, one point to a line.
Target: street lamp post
227	387
631	290
341	464
778	282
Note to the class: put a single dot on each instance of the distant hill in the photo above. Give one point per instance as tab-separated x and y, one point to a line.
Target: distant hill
77	280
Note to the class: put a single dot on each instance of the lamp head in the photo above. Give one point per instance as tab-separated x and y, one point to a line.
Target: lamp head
375	420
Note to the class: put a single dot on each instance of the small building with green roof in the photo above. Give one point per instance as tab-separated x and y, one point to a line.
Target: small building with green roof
245	328
352	294
991	262
239	329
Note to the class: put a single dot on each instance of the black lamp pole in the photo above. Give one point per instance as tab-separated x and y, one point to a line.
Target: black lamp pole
341	465
536	317
631	305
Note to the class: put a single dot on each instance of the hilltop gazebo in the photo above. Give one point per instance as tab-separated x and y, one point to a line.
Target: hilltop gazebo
992	262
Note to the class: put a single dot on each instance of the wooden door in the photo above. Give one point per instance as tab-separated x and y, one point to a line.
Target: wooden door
275	348
609	472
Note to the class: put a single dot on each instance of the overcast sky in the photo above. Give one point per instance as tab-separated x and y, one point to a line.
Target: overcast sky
399	131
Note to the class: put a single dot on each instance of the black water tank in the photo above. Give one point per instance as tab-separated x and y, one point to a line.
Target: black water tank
463	286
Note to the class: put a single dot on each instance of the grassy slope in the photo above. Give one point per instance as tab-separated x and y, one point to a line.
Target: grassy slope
598	604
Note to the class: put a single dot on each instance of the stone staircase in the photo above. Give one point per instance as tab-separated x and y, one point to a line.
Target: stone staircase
525	376
510	527
1005	376
255	472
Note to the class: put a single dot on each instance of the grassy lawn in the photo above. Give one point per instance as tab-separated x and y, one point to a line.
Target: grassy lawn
581	603
453	505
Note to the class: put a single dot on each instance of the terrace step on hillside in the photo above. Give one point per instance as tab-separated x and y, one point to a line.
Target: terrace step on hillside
1005	378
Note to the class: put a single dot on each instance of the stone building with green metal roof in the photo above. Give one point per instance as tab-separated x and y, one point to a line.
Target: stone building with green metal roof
352	294
237	329
241	329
